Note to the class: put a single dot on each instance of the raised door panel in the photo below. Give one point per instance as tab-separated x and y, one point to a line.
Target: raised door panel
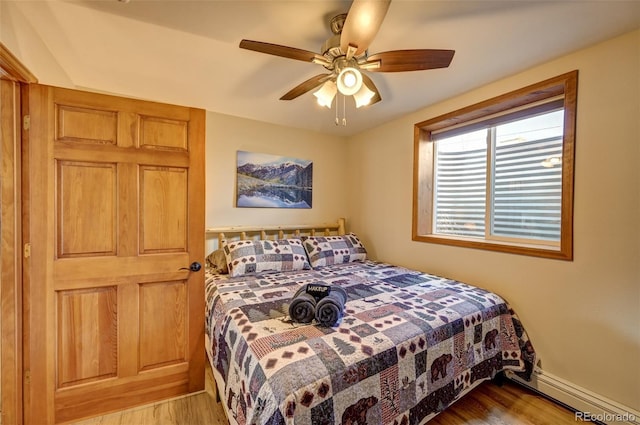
164	210
162	133
163	324
87	125
86	209
87	340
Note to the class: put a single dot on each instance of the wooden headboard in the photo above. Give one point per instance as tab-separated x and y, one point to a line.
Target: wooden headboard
275	232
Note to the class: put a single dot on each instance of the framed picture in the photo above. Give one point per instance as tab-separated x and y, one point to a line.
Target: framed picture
272	181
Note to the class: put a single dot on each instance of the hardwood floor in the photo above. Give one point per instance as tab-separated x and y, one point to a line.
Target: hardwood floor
489	404
509	404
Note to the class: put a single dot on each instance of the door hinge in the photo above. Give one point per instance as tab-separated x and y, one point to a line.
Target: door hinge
27	250
26	122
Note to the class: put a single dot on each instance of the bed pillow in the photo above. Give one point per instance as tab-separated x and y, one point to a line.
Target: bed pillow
218	261
246	257
327	250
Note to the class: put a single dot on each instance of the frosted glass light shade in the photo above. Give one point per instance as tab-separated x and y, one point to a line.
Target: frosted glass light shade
326	93
363	96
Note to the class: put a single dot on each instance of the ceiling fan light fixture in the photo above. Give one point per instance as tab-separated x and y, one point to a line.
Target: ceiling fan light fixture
349	81
363	96
326	93
345	55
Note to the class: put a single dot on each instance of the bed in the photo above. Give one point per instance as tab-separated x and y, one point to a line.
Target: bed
409	343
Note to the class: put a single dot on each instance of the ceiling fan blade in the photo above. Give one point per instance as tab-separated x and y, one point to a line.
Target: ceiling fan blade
411	60
362	24
302	88
369	83
277	50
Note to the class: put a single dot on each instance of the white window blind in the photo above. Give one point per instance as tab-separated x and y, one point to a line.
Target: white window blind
527	178
501	178
460	184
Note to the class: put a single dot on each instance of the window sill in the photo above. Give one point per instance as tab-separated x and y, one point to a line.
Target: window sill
535	250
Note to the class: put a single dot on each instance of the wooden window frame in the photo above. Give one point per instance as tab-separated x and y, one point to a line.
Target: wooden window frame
565	85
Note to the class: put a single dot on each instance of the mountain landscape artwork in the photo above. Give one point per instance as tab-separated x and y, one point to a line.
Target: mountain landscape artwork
272	181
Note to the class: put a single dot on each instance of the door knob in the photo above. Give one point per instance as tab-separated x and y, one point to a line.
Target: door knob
194	267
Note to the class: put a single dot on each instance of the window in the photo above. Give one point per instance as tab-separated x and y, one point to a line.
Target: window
499	175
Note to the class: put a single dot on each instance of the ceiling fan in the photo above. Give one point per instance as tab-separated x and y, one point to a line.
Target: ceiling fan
345	55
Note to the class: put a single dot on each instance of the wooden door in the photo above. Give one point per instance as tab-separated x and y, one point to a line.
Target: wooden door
113	316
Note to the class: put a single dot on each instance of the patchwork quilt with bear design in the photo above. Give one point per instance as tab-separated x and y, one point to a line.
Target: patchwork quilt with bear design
408	346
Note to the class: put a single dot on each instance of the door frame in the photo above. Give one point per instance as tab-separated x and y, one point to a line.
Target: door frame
15	77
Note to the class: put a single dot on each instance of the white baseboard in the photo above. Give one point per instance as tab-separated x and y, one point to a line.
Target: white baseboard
589	406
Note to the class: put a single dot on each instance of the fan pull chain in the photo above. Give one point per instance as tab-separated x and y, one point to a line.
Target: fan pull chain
344	110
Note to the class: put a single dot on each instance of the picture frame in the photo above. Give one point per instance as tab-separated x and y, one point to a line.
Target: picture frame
273	181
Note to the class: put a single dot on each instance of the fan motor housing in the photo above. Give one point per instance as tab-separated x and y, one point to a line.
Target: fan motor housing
331	48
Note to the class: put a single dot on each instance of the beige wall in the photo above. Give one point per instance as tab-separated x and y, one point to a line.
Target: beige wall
226	135
19	36
582	316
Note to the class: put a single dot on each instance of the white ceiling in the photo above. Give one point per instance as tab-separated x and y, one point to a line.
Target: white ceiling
186	52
